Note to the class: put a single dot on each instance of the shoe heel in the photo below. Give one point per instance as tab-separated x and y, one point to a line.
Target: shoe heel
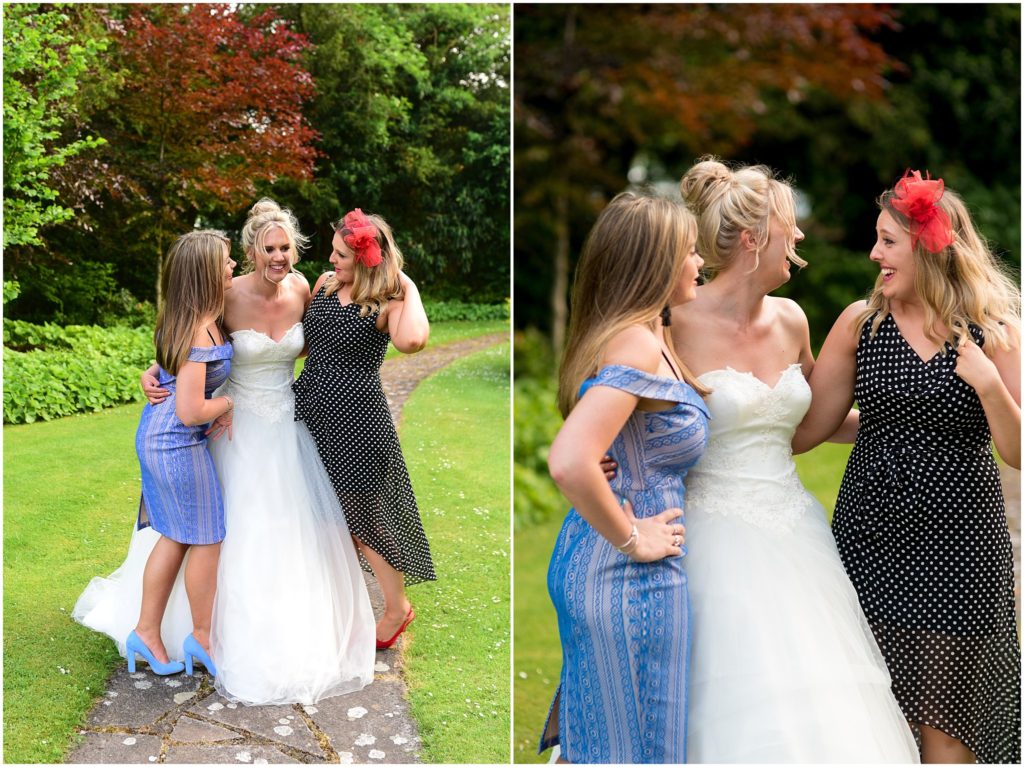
131	661
188	664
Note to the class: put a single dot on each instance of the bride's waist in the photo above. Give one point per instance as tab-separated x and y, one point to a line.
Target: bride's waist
756	495
269	398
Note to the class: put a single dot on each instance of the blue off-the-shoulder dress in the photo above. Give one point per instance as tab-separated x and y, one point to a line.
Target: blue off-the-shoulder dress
181	496
624	625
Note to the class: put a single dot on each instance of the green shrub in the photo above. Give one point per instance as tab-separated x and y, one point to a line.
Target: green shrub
51	371
448	311
537	421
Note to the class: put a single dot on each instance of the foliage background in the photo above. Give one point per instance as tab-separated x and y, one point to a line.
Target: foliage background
126	125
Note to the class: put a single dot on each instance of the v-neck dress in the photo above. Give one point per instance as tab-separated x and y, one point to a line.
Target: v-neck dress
921	528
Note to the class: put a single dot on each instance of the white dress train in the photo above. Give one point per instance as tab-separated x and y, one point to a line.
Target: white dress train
784	667
292	621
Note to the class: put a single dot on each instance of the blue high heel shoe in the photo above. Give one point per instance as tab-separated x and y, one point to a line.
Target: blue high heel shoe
193	649
135	645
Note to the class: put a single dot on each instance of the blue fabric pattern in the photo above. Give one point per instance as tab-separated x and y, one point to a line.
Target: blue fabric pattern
624	625
180	493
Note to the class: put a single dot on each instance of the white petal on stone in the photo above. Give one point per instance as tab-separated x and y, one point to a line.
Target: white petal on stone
129	741
398	740
291	716
172	682
181	697
284	730
112	694
365	739
356	713
310	709
282	720
152	758
380	667
375	754
217	707
106	703
243	756
345	757
143	684
260	760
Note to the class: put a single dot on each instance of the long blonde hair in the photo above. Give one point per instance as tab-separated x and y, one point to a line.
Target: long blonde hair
962	284
264	216
630	264
192	284
728	202
373	286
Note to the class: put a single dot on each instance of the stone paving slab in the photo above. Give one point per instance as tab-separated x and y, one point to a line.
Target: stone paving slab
144	718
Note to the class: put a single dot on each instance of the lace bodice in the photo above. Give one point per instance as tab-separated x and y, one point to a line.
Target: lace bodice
747	469
262	372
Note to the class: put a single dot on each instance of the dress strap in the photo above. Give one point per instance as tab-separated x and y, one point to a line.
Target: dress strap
671	366
214	340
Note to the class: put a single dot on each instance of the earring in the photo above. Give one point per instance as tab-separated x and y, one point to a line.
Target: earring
666	317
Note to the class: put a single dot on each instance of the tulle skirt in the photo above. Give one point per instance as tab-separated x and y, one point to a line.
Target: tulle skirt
784	667
292	621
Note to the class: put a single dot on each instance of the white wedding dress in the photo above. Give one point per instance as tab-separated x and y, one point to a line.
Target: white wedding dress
783	666
292	621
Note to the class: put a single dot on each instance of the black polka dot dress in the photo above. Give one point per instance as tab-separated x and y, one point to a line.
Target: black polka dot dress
921	528
340	397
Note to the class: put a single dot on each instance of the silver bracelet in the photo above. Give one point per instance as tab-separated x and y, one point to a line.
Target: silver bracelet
630	545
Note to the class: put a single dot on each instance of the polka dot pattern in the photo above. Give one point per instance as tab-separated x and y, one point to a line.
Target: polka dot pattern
340	397
921	528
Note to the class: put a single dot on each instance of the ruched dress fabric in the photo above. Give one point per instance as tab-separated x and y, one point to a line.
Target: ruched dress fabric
292	621
340	398
784	668
921	526
625	625
180	495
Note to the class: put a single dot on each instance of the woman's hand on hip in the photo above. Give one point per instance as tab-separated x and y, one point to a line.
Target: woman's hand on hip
659	536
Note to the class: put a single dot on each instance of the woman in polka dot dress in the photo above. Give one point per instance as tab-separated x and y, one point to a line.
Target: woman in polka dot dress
933	360
355	311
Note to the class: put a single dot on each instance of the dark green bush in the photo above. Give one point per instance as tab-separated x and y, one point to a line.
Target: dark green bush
51	371
450	311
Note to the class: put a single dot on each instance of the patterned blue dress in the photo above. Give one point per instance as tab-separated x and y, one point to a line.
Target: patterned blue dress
180	493
624	625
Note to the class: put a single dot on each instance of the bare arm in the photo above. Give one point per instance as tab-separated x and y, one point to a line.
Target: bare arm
191	405
407	321
574	462
831	381
997	382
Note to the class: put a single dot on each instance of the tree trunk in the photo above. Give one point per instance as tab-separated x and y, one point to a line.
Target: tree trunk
560	284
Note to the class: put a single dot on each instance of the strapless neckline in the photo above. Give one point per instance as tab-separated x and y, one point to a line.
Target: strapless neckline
265	335
746	374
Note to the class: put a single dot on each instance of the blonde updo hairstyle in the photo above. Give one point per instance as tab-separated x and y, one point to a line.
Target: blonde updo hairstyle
962	284
192	286
373	286
729	202
630	264
264	216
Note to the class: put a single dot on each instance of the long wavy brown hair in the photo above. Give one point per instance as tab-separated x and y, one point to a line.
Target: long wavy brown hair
192	284
629	266
962	284
373	286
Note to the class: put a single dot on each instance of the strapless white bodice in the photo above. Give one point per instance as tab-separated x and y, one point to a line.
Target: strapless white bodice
262	371
748	470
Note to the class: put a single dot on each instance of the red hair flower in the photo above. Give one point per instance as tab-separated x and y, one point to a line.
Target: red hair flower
362	238
918	199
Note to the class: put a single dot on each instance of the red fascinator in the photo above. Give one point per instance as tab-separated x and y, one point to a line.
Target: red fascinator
918	199
362	238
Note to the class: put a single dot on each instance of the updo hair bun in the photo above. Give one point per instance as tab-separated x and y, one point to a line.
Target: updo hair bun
266	205
704	183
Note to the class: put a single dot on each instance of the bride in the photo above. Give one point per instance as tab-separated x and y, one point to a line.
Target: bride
292	620
784	667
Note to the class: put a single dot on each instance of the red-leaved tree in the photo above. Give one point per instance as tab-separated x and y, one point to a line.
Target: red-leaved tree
211	104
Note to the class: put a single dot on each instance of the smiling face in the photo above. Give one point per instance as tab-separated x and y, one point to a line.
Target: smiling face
894	254
774	258
229	267
274	256
342	259
686	288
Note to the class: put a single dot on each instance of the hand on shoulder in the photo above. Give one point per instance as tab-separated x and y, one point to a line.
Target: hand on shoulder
635	347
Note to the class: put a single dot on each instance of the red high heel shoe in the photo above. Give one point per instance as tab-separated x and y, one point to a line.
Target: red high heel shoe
386	644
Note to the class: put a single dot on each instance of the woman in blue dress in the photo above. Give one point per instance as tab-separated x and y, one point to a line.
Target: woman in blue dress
616	576
180	494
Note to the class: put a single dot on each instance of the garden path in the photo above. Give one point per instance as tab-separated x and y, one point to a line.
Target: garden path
143	718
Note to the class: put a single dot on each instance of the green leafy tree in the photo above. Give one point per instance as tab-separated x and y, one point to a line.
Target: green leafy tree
44	61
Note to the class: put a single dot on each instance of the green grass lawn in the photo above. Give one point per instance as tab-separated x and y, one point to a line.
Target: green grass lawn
538	654
455	437
70	490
